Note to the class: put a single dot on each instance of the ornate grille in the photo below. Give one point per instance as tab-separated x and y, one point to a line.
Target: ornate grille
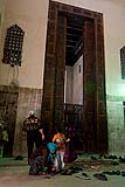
73	115
12	53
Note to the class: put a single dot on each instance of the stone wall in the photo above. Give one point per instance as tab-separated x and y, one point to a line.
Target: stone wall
28	99
116	127
68	85
78	82
73	85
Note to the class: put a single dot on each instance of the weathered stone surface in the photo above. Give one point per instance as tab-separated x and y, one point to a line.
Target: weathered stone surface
28	99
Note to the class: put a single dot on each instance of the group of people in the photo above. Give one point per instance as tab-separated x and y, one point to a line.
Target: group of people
49	156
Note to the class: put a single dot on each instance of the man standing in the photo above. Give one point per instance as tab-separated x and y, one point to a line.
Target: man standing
35	134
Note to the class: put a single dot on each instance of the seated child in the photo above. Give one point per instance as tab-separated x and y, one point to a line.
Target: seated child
39	160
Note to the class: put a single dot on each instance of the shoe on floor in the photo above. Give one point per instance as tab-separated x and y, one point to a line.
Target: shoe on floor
100	176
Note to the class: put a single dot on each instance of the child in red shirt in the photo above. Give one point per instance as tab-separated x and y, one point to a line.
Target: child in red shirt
59	139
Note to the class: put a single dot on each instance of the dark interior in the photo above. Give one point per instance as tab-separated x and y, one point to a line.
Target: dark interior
74	44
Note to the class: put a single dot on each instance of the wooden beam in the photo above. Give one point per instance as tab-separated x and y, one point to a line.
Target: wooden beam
69	46
72	41
74	28
73	37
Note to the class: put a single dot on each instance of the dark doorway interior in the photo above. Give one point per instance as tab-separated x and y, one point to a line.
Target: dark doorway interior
8	107
73	76
64	24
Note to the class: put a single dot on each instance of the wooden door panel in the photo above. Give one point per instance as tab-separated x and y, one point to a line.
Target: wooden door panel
94	109
89	82
60	69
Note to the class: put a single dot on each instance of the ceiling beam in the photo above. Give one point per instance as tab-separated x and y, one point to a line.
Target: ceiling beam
69	46
74	28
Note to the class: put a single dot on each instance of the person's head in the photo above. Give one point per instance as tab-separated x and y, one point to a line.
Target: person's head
59	129
52	147
31	113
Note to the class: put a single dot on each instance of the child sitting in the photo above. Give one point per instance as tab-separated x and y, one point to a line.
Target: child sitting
38	161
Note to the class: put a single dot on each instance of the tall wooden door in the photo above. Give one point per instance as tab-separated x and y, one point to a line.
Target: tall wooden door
94	99
60	70
89	82
53	90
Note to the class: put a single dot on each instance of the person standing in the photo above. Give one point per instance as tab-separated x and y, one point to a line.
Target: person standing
35	133
5	138
59	139
70	153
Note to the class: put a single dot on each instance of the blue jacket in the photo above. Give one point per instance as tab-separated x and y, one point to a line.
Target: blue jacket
52	147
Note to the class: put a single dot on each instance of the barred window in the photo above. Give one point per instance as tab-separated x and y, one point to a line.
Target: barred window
12	53
122	57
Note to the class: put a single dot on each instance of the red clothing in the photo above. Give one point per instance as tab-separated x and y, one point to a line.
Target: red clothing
59	139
